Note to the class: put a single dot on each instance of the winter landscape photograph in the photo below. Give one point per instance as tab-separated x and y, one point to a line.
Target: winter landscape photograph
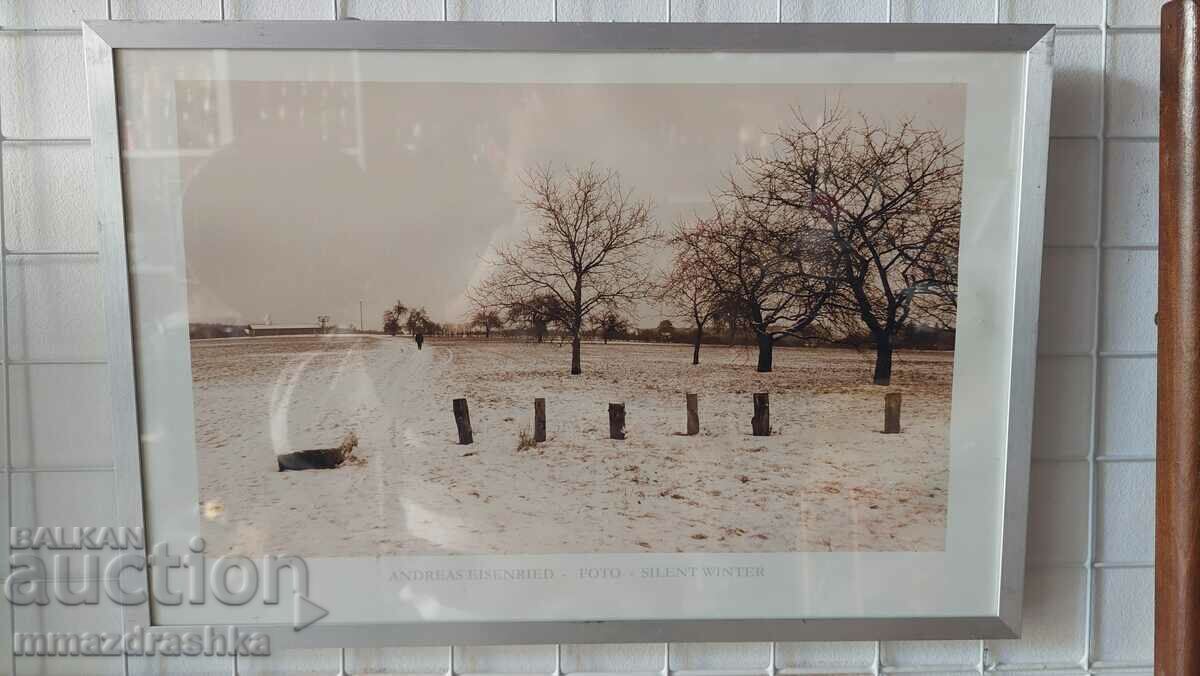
458	318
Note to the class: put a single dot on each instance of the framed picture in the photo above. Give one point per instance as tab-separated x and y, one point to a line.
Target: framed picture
519	333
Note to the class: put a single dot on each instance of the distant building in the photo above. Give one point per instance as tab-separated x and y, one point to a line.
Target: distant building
286	330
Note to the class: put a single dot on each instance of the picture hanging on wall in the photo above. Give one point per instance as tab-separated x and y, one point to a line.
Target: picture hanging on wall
499	333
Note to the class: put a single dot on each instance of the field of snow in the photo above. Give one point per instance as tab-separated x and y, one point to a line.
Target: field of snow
826	480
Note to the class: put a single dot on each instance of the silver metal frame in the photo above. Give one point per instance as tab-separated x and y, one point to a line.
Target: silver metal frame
102	38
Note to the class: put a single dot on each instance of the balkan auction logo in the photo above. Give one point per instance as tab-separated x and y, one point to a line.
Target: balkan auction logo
46	565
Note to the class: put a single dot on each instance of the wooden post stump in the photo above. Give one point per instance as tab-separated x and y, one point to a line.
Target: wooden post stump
693	415
616	421
462	418
891	413
761	422
539	420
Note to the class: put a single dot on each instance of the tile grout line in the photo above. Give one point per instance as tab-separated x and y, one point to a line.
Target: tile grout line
1105	459
1086	653
1107	247
39	253
45	140
1066	354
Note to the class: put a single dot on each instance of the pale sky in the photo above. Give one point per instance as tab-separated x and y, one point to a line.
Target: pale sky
329	194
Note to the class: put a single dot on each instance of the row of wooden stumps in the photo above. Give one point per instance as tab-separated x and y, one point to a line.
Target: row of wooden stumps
760	423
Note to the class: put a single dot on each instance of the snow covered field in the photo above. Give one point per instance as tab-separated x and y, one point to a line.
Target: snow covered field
826	480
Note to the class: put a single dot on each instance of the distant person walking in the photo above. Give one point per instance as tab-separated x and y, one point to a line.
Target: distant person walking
420	338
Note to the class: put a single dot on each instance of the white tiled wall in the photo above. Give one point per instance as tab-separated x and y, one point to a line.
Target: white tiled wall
1089	590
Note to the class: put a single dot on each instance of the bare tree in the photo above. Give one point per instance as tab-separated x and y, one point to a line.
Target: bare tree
486	319
688	293
419	322
537	313
392	318
729	318
610	324
766	262
889	199
586	250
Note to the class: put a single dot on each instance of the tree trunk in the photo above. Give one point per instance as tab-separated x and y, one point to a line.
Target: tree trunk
696	347
577	324
765	346
883	358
